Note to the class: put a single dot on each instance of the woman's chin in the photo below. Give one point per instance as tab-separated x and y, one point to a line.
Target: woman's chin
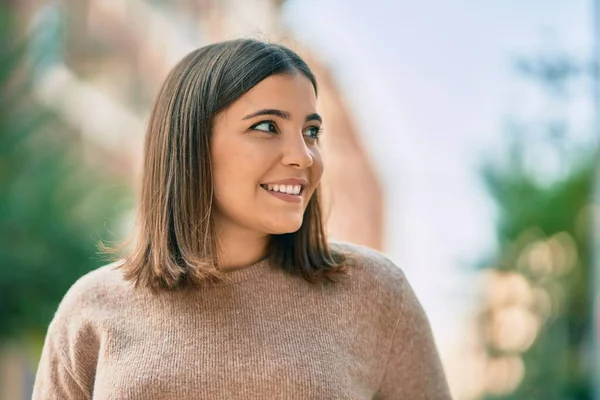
283	228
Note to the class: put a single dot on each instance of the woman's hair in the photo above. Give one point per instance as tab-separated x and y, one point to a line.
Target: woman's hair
176	245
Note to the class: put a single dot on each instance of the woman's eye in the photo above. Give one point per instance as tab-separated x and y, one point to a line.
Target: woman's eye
265	126
313	132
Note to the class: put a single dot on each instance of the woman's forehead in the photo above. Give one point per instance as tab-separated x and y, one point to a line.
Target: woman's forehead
293	94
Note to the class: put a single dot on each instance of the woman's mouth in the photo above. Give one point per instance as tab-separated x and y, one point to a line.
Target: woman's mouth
288	193
293	190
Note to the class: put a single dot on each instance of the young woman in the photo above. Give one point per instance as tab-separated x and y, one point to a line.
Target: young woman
232	290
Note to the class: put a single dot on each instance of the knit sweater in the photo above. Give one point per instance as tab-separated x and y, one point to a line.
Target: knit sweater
260	334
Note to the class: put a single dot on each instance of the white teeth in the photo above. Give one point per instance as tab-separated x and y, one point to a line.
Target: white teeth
288	189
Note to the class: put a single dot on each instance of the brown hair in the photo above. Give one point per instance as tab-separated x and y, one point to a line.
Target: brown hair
176	246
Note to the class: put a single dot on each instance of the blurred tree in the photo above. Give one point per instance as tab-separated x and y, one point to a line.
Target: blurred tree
537	310
53	207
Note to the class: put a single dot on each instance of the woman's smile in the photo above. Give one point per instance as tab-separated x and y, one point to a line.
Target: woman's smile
289	190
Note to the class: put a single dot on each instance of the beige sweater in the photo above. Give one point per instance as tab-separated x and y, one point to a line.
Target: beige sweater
263	334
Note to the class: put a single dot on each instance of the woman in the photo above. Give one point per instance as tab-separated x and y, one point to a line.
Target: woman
232	290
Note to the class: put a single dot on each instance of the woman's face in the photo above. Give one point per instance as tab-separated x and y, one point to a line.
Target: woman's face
266	160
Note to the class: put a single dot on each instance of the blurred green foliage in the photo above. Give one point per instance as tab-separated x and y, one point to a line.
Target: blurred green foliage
532	214
53	208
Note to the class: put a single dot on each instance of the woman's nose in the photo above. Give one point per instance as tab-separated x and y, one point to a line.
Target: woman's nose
296	153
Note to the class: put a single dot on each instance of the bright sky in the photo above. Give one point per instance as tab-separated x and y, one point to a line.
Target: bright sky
430	83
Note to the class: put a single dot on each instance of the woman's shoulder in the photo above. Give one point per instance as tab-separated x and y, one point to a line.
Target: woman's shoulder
368	260
94	291
372	270
78	320
102	281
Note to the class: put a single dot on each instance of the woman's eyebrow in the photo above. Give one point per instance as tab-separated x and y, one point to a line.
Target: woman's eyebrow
270	111
282	114
314	117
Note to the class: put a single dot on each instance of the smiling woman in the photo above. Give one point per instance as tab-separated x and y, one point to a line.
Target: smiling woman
230	117
232	290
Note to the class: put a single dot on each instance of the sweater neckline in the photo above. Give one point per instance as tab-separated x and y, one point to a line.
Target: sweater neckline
252	271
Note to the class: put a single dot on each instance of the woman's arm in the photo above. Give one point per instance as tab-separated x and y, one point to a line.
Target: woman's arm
414	370
67	367
54	379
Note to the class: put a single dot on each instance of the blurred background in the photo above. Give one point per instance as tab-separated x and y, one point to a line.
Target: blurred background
461	138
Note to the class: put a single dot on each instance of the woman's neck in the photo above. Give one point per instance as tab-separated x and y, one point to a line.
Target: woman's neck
240	248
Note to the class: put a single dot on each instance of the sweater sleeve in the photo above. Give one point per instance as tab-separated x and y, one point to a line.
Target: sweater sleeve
413	370
67	366
54	379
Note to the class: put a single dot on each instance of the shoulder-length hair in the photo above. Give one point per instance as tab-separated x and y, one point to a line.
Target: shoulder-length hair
175	244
